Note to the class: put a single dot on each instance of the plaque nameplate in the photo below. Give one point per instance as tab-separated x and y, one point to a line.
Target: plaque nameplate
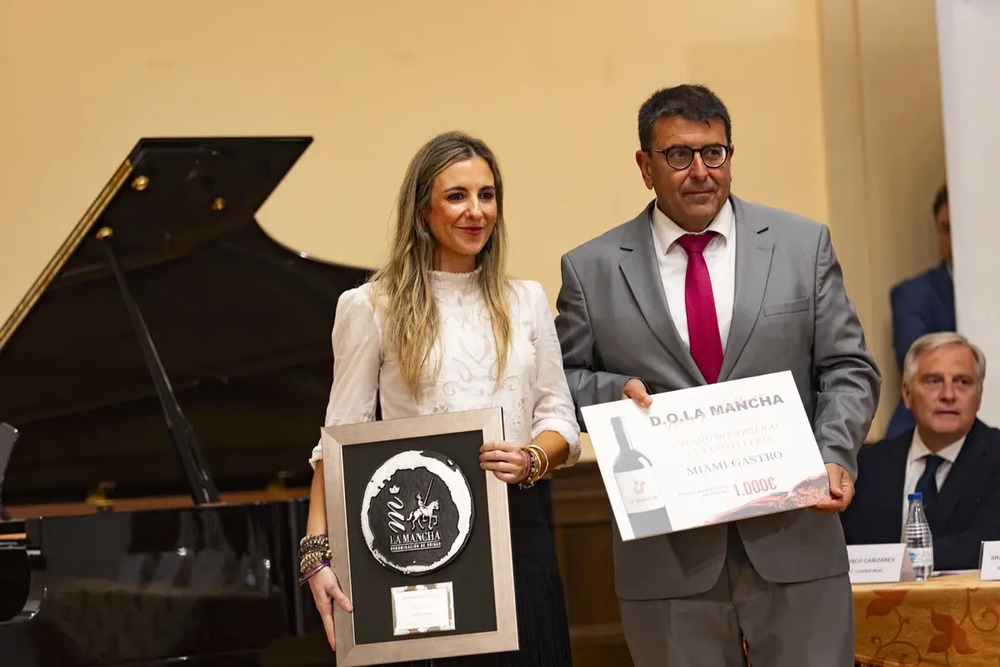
421	609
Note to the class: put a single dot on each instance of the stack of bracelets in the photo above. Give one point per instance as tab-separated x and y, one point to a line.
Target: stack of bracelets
536	469
314	555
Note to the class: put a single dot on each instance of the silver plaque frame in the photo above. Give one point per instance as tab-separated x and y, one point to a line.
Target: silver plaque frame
504	638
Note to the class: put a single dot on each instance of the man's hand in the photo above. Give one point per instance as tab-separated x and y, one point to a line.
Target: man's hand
636	390
841	491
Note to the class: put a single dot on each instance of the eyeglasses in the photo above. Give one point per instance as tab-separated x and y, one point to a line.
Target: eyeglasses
681	157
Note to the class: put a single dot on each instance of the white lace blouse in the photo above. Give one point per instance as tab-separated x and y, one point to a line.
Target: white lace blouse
534	394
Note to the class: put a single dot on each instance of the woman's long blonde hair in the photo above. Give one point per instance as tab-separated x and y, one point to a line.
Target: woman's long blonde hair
403	285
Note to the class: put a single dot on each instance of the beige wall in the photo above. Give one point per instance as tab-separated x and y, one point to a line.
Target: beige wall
885	155
554	88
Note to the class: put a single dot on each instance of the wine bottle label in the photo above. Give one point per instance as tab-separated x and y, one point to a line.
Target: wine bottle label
920	556
640	490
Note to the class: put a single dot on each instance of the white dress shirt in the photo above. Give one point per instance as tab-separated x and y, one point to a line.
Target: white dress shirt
534	393
916	464
720	257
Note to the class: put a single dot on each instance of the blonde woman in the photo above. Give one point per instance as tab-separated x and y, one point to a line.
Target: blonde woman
442	328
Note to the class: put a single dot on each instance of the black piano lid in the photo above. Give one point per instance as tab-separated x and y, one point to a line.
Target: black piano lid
242	326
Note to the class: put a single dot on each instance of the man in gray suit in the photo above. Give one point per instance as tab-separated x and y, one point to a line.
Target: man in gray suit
703	287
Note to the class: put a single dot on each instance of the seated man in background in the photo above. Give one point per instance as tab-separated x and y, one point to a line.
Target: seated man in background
923	304
951	457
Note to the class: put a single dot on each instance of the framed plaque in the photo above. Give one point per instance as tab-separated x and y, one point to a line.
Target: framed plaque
420	538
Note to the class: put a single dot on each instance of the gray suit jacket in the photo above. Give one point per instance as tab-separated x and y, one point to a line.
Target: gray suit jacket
791	312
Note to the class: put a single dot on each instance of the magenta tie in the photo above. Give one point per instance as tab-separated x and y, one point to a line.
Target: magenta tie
703	323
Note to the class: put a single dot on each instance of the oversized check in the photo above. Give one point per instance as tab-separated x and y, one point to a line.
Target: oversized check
707	455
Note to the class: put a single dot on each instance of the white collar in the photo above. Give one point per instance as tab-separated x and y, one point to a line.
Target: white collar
667	231
919	450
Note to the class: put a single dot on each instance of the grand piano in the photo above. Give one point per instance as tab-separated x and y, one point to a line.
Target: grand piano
161	386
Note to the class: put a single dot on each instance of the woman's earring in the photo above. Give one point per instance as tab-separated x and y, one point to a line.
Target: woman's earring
489	244
423	225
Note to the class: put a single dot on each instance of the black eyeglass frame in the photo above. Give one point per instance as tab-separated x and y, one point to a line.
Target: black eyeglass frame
726	150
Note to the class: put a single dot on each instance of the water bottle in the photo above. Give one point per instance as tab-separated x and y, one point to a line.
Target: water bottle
919	541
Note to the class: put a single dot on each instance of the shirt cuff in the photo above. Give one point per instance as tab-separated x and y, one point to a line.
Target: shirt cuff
317	455
568	431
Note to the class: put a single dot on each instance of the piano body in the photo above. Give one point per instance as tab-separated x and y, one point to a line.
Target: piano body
167	376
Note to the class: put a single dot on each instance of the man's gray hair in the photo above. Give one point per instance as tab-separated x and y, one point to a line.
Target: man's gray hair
933	341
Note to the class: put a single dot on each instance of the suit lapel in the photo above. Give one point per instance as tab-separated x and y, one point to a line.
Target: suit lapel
966	474
754	247
642	274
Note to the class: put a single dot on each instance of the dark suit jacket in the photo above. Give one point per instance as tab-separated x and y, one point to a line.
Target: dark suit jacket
920	305
968	506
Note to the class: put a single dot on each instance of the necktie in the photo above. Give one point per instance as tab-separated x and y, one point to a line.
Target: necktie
927	484
702	321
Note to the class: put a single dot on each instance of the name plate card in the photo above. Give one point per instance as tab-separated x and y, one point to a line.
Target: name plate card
423	608
989	569
707	455
876	563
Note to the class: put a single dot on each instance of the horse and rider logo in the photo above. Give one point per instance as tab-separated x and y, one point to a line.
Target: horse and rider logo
424	516
417	511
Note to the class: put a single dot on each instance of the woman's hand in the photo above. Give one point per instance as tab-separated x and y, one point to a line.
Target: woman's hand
508	461
326	590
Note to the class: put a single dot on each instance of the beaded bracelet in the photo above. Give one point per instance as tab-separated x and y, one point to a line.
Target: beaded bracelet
544	454
311	559
314	555
536	470
534	465
313	543
308	575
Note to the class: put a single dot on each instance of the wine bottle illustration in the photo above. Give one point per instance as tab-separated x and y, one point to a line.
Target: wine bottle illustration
639	486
